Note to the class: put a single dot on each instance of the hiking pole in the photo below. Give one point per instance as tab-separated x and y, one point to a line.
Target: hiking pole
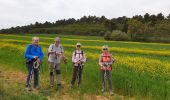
29	83
65	62
105	74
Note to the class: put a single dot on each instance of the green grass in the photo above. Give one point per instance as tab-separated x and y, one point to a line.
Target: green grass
141	73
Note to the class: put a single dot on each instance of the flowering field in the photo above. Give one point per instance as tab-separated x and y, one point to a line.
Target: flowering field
141	70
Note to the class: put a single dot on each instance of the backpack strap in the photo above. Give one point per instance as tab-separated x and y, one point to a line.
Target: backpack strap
82	52
30	47
75	53
61	49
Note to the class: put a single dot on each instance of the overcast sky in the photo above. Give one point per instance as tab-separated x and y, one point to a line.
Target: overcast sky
24	12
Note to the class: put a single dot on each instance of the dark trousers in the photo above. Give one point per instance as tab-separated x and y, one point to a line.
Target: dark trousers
106	75
31	70
77	70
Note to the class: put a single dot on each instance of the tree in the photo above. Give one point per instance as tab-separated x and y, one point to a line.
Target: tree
160	16
135	27
168	17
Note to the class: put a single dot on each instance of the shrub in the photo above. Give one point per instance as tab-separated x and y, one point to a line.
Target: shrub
107	35
116	35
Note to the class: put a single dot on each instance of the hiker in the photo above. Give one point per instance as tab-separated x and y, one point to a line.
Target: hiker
55	54
34	56
78	59
105	61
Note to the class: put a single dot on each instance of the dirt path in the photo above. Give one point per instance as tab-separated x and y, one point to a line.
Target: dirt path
18	77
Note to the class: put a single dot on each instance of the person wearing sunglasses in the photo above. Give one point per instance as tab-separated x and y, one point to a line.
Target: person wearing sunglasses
105	62
78	59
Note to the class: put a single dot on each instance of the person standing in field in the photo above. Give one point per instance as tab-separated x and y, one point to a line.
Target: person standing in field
55	54
78	59
34	56
105	62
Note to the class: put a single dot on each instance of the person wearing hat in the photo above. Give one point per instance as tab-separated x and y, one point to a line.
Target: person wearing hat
105	62
78	59
55	54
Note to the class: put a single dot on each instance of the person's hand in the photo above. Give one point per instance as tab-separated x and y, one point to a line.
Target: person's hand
38	60
35	57
58	54
101	64
52	52
77	62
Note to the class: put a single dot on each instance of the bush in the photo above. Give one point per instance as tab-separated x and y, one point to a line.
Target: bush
107	35
101	33
116	35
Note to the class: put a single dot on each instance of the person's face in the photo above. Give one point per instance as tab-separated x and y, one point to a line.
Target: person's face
35	41
78	47
57	43
105	50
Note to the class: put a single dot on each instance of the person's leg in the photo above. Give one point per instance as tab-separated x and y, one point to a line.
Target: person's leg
29	76
109	81
58	72
80	70
74	76
103	80
36	76
51	68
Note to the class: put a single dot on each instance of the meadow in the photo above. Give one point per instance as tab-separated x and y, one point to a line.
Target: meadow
141	70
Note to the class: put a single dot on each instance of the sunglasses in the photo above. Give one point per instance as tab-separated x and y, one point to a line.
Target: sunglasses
105	49
78	46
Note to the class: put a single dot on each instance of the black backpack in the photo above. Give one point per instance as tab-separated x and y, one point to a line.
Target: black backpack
82	53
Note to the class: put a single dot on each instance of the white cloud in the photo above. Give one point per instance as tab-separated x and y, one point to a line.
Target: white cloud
22	12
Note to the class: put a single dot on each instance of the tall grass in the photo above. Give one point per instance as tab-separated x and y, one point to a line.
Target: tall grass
139	72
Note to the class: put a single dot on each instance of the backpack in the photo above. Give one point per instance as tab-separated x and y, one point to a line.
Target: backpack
82	53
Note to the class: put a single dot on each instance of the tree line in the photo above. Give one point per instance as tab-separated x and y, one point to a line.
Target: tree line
138	28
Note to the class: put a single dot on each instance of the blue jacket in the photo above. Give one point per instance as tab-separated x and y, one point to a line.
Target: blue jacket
32	51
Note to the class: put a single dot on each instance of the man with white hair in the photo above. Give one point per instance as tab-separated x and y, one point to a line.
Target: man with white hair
55	54
34	56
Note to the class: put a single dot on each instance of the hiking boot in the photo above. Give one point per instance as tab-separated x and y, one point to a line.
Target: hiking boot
72	86
36	88
78	85
102	90
111	93
51	86
59	87
28	89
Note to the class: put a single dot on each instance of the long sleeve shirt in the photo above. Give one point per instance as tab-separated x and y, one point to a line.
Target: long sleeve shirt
78	55
33	50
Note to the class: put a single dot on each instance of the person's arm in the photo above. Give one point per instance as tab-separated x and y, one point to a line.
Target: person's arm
111	62
41	54
100	61
62	52
50	49
84	58
27	53
74	60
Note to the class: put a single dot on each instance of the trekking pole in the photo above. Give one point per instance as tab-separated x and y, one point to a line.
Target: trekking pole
65	62
31	76
105	78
